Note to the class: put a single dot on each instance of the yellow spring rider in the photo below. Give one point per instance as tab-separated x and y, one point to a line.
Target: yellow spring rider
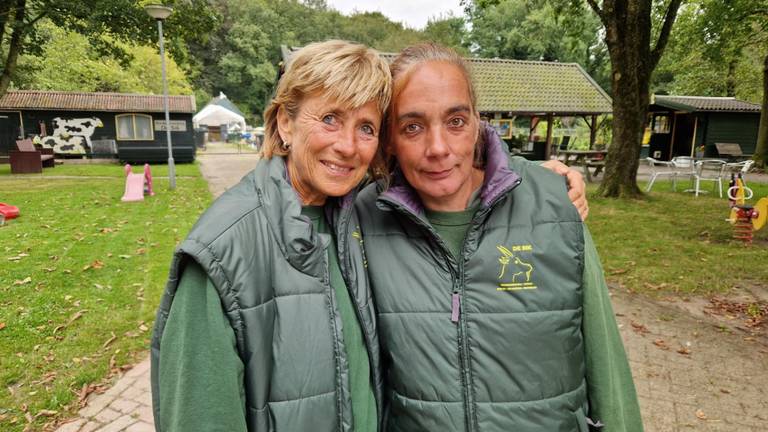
746	219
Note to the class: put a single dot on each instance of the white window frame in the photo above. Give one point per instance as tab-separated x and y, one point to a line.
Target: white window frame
133	124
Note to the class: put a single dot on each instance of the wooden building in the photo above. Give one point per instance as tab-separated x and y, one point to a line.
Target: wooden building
129	127
691	125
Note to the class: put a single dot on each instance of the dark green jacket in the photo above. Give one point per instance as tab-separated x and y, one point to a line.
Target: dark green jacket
271	272
490	341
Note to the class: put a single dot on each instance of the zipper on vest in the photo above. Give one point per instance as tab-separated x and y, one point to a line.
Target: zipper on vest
336	348
466	375
455	306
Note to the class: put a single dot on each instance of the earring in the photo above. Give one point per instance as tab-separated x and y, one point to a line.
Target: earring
285	146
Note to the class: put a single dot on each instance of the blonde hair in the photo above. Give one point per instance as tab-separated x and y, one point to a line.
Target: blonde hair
406	63
349	73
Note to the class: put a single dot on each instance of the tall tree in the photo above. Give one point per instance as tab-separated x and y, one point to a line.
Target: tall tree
18	20
628	34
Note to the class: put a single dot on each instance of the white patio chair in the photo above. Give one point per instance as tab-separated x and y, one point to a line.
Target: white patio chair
740	167
709	170
661	168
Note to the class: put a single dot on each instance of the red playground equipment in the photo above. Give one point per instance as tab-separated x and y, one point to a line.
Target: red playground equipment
137	185
746	219
8	211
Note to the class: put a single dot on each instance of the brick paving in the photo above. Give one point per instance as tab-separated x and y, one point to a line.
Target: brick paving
692	372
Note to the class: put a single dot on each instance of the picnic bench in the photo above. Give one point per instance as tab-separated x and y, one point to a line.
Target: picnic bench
28	159
587	159
732	151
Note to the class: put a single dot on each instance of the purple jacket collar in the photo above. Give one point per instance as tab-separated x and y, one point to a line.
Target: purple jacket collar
499	178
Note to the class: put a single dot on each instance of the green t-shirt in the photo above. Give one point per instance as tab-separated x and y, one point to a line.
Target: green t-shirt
361	392
452	227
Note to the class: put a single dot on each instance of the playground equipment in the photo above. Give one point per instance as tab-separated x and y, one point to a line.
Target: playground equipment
137	185
8	211
746	219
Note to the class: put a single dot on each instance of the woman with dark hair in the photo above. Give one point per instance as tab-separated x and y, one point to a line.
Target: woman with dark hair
498	317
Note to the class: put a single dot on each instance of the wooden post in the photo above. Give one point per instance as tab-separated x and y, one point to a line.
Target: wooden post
693	140
548	145
672	138
592	132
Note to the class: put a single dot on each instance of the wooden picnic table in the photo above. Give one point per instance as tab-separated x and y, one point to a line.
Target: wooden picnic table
587	159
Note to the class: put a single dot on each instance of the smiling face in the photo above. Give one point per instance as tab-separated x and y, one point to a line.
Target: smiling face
331	146
434	131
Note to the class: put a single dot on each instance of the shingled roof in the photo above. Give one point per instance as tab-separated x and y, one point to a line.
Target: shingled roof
530	87
71	101
704	103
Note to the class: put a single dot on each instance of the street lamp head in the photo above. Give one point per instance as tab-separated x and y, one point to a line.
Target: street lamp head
158	12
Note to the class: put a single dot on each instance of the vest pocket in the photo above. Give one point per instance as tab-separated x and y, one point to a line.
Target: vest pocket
581	420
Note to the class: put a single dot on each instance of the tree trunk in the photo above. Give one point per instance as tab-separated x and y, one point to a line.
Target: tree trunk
630	106
633	59
17	37
761	152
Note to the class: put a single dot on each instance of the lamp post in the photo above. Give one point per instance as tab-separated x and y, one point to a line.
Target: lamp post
159	13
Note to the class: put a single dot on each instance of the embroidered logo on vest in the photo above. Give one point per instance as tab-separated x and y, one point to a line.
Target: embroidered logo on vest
514	273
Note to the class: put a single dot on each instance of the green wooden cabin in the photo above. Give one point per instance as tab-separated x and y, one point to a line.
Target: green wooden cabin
691	125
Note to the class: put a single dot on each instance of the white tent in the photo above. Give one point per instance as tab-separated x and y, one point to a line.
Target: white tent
219	112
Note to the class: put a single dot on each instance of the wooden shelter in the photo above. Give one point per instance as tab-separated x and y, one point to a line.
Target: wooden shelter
692	125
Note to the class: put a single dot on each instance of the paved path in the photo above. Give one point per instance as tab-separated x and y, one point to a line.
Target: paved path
692	373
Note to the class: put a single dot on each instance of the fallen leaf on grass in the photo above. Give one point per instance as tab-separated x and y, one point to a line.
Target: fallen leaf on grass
109	341
2	325
46	413
700	414
661	344
143	327
77	315
26	280
124	256
619	271
96	264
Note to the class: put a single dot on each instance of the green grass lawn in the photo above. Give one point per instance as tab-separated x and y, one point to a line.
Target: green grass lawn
81	274
106	170
671	242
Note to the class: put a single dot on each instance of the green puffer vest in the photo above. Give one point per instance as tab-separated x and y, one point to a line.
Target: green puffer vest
270	269
491	341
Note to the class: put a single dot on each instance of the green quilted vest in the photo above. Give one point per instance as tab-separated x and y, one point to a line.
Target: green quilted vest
271	272
490	341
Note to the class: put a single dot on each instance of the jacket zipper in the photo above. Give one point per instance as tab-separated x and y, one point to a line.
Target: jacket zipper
341	239
456	315
457	302
336	347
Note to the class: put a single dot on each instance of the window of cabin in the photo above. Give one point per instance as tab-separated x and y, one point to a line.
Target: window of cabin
661	124
135	127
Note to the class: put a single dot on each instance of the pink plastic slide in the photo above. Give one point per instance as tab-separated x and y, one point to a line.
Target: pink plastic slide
137	185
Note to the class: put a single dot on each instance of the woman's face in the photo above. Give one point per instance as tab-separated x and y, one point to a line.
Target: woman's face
331	146
434	132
